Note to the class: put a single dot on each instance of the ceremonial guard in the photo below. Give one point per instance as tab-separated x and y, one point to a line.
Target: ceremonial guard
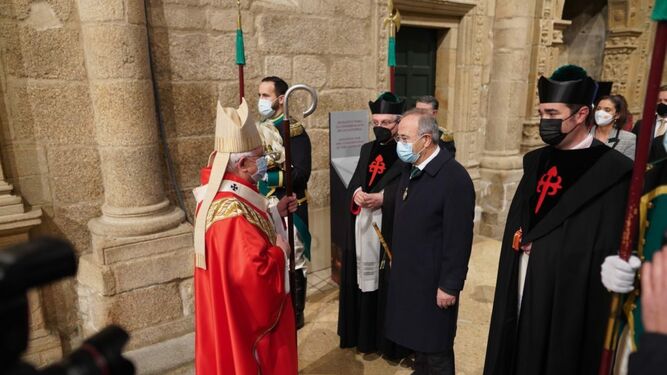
271	99
244	321
364	269
619	275
550	307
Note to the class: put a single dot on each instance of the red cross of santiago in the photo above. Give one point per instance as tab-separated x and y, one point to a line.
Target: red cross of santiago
549	184
376	167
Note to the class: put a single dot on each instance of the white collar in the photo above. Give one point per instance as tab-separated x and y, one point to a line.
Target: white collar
435	153
586	143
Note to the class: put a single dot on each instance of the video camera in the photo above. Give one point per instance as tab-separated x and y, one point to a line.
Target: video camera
37	263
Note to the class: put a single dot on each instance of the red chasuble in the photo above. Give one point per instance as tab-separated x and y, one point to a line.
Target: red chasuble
244	320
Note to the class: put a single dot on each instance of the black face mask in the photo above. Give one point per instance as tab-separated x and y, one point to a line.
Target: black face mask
550	130
382	135
661	109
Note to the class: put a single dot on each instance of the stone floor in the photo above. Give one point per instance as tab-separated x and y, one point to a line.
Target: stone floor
318	341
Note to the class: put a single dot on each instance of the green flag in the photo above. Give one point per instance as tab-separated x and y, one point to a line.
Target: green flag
391	52
660	11
240	49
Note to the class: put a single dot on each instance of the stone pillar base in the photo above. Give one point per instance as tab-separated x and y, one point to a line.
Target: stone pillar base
175	356
142	283
500	176
44	347
136	221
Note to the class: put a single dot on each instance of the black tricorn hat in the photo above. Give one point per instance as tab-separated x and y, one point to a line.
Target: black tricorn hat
604	89
387	103
570	84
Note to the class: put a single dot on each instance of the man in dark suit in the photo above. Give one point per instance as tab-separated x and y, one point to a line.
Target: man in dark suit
657	151
433	229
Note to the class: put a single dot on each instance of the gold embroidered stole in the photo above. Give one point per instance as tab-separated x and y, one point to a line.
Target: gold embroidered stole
230	207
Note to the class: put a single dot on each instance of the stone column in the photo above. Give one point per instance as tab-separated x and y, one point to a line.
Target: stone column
501	164
15	222
139	272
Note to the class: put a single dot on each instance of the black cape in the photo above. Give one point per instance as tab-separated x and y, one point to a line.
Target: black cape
565	306
361	314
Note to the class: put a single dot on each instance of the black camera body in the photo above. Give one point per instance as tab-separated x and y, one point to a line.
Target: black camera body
37	263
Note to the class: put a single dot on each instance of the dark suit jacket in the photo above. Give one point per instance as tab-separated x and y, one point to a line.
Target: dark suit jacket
651	358
657	150
433	228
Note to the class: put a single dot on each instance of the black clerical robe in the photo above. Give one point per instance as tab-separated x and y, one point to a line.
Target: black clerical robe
564	307
361	314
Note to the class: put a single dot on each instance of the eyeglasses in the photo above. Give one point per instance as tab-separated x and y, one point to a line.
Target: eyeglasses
405	140
385	123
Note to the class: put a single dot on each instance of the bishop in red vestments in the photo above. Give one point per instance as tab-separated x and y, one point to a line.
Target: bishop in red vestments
244	321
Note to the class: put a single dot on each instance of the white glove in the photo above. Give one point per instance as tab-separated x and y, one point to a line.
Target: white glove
618	275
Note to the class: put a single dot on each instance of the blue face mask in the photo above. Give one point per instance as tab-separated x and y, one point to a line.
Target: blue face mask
261	169
405	152
265	108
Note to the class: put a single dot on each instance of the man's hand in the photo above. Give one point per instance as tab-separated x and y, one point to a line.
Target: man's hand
359	198
368	200
654	293
282	243
373	201
287	204
618	276
444	300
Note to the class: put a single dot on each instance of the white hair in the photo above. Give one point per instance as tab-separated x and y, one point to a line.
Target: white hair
235	158
427	124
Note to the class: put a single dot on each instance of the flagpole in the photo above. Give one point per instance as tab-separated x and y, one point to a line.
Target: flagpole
393	21
637	182
240	52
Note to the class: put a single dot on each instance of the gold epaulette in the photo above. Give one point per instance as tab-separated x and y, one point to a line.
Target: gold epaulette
446	135
296	129
227	208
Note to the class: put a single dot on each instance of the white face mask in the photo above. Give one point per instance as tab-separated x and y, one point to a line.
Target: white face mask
265	107
603	118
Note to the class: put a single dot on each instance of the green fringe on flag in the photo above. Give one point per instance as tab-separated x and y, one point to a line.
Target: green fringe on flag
391	52
240	49
660	11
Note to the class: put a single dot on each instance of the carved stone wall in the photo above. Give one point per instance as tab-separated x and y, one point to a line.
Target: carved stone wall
627	49
546	57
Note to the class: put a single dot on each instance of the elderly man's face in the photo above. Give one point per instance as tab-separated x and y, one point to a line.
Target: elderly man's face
408	130
248	165
386	121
